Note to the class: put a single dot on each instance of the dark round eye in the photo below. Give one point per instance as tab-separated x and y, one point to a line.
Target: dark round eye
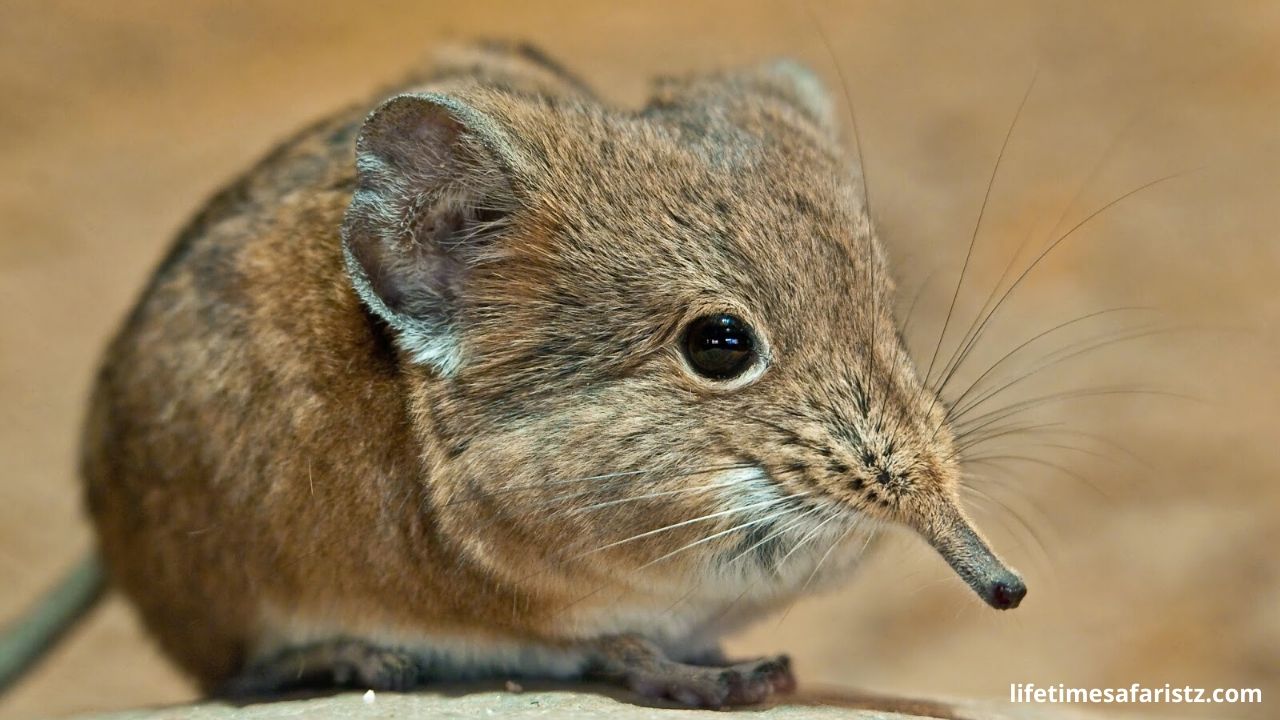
719	346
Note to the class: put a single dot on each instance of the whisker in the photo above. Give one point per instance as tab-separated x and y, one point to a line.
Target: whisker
1053	246
975	427
1050	360
1042	522
772	502
1064	355
599	589
538	485
754	506
862	173
994	460
805	539
1052	429
973	240
1097	168
722	533
1084	184
1009	512
1024	405
866	544
682	523
1104	440
1076	449
915	300
977	437
797	521
650	496
786	527
1038	336
905	354
813	535
800	519
848	100
1056	446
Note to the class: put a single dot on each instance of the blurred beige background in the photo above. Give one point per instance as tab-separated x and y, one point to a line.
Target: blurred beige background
1156	553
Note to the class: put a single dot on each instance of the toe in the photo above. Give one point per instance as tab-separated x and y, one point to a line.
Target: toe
757	681
387	671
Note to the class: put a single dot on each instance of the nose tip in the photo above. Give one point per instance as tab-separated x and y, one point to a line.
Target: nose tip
1007	593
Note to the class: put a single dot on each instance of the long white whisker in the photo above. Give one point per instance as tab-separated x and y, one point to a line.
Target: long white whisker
650	496
834	545
808	538
475	496
722	533
673	526
788	527
804	541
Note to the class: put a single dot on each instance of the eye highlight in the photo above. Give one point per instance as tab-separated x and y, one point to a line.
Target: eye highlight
719	347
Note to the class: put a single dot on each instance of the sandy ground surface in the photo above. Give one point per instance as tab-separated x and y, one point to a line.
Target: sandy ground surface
559	705
1150	551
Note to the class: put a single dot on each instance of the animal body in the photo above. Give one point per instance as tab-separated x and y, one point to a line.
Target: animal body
497	379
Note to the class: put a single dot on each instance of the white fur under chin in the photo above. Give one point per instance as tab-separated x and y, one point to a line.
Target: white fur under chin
815	547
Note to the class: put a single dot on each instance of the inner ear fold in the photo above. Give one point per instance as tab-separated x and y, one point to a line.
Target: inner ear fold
434	190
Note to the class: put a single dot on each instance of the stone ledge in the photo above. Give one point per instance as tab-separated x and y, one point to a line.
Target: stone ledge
542	704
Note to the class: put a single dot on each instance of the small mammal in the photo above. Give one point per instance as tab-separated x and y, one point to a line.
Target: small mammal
533	387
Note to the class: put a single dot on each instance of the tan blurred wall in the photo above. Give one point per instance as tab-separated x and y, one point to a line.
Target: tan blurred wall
116	119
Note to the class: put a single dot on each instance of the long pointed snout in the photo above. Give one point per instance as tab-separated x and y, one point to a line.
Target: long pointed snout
955	538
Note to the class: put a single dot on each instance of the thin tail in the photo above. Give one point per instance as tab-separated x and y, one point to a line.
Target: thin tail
27	638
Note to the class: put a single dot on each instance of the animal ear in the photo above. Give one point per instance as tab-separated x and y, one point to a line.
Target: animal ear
435	189
795	84
746	95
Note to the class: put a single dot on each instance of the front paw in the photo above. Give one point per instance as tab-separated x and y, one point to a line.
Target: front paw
339	663
373	668
745	683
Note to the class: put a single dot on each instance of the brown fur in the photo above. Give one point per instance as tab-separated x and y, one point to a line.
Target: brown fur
263	450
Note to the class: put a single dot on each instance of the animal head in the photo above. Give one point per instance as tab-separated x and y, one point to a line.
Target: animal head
662	337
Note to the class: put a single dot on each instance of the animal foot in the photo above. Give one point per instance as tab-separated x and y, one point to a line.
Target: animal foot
643	668
372	668
335	663
716	687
